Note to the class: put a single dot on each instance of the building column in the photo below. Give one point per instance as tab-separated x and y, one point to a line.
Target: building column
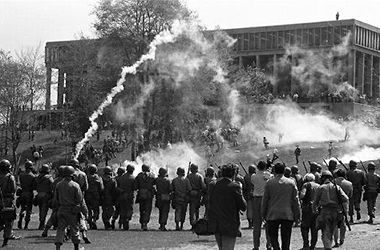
240	62
353	69
60	88
363	73
257	61
275	83
48	88
371	76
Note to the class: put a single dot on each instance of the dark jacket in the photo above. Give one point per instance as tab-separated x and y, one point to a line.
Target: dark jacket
225	202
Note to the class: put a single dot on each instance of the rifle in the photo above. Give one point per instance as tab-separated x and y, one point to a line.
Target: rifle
188	168
365	170
304	165
341	163
243	168
340	202
327	165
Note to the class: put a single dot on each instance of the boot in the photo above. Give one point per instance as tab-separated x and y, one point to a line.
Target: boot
250	224
177	228
44	233
41	226
19	223
358	216
113	224
76	246
58	246
351	219
370	221
5	242
181	226
85	239
126	225
26	225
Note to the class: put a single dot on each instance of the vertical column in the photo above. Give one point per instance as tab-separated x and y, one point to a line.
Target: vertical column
48	88
363	73
240	62
257	61
371	76
60	88
275	83
292	80
353	69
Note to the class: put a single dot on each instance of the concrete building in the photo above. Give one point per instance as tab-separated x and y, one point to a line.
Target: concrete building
259	46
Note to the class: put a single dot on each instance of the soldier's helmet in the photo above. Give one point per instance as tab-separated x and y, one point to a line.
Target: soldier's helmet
68	171
314	166
341	173
193	168
294	169
309	177
44	169
145	168
5	165
28	164
333	163
92	169
74	163
352	164
371	166
162	172
60	170
180	171
326	174
287	172
130	168
251	169
107	170
210	171
121	170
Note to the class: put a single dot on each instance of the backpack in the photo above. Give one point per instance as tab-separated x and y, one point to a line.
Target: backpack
201	227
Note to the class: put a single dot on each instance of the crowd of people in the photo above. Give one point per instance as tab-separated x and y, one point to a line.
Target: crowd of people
275	197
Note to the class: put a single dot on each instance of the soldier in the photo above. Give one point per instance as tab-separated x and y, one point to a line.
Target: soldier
314	169
28	185
297	153
209	177
69	199
266	143
347	188
44	183
332	166
93	195
181	188
297	177
307	195
52	221
358	180
126	187
372	187
8	190
163	196
144	183
327	199
248	194
120	172
108	197
197	188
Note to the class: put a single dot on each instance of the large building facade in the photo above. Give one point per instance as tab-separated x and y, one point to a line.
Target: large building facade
258	46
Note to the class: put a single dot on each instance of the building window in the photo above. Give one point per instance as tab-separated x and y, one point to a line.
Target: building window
239	41
280	39
305	37
245	44
317	35
330	35
336	34
263	39
274	41
251	41
257	41
299	37
311	37
292	37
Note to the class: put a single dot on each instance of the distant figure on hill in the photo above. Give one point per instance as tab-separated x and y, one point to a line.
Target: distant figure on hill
266	143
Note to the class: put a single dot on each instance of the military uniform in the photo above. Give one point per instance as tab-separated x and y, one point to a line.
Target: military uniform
197	188
92	198
372	187
144	183
358	180
28	185
8	189
181	188
116	213
44	194
52	221
347	188
248	196
163	196
126	187
205	197
68	196
108	199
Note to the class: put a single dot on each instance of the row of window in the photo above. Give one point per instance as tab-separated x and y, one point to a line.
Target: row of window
367	38
314	37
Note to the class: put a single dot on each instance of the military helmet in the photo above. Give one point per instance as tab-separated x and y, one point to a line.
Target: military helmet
60	170
107	170
92	169
309	177
371	166
251	169
162	172
68	171
193	167
327	174
145	168
121	170
28	164
44	169
130	168
352	164
74	163
180	171
314	166
5	165
210	171
294	169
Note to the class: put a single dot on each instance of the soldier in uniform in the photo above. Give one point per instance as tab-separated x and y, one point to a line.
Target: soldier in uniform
314	169
372	187
69	200
358	180
8	190
209	177
108	197
144	184
93	195
297	177
163	196
327	199
126	187
181	188
333	164
347	188
307	195
28	185
248	194
52	221
44	183
120	172
197	188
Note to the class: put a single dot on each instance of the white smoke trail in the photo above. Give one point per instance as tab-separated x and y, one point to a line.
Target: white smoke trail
233	108
163	37
364	154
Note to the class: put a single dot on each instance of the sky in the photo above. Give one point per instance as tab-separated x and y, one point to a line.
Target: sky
28	23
